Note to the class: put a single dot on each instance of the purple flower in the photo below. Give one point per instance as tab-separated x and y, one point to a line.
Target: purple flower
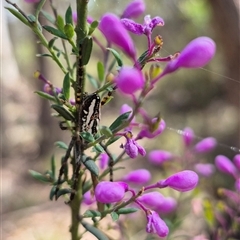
237	184
134	9
205	169
225	165
195	55
147	131
188	136
110	192
146	28
158	157
114	31
140	176
88	198
206	145
181	181
156	225
103	160
129	80
48	89
236	161
132	148
168	205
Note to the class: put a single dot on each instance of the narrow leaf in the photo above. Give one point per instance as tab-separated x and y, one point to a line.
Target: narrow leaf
46	96
96	232
66	86
98	149
112	140
63	192
18	15
51	42
117	56
60	23
87	136
40	176
92	213
121	119
52	193
44	55
69	31
106	131
92	27
61	145
90	165
86	49
127	210
114	216
100	70
53	167
55	32
68	16
63	112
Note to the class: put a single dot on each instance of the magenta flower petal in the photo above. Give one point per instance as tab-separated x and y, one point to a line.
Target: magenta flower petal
110	192
237	184
130	148
225	165
151	199
196	54
156	225
188	136
103	161
181	181
158	157
167	206
205	169
236	161
88	198
129	80
114	31
134	9
140	176
206	145
126	108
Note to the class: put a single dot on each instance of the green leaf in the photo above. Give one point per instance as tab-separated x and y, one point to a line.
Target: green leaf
112	140
55	32
127	210
53	167
63	192
98	148
92	213
94	231
40	177
43	55
68	16
31	18
106	131
92	27
63	112
49	17
87	136
114	216
69	30
119	121
61	145
93	81
60	23
66	86
100	70
90	165
51	42
18	15
86	49
46	96
117	56
52	193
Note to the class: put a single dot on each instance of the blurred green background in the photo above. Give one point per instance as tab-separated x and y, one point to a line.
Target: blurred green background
207	100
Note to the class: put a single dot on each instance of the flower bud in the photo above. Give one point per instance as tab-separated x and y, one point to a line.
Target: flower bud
88	198
188	136
236	161
103	161
181	181
205	169
158	157
110	192
140	176
237	184
134	9
206	145
114	31
225	165
129	80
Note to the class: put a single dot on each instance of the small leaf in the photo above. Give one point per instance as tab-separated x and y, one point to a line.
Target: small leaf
100	70
69	31
46	96
53	167
66	86
19	16
121	119
43	55
127	210
93	81
68	16
117	56
61	145
94	231
86	49
114	216
106	131
63	112
31	18
40	176
52	193
60	23
98	149
55	32
87	136
63	192
49	17
92	27
92	213
90	165
51	42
